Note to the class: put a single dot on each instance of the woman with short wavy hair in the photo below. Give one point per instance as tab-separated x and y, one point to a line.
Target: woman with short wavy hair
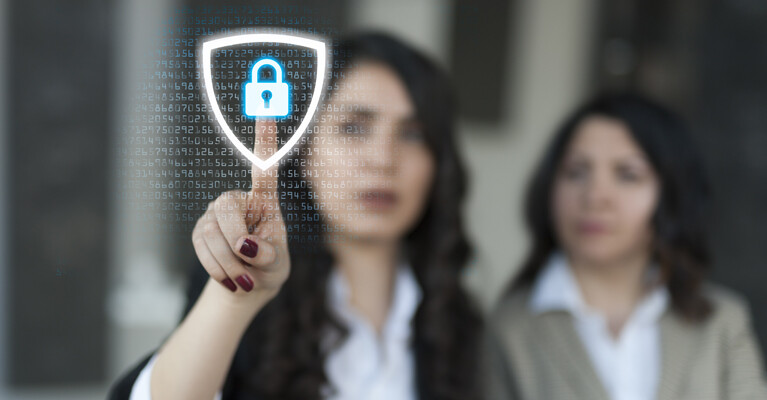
612	301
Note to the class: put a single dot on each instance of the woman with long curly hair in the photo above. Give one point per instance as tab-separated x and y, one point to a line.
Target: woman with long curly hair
347	260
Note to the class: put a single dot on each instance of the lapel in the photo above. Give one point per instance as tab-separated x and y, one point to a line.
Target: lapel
677	348
568	356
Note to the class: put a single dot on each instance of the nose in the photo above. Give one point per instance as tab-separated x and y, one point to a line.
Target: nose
597	191
381	148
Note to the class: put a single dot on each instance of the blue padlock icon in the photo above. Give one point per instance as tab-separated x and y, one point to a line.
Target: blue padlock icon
267	99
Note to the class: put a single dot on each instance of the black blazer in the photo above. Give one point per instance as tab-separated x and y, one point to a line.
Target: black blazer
121	389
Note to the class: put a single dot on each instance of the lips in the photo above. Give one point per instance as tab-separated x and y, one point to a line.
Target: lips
379	199
592	228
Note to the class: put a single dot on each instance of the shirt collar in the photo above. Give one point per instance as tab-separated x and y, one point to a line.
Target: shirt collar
406	297
556	289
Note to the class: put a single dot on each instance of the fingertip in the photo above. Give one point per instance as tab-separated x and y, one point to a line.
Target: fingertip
265	126
229	284
247	247
265	137
256	251
245	282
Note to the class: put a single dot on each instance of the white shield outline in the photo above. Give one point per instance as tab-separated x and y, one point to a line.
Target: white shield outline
207	52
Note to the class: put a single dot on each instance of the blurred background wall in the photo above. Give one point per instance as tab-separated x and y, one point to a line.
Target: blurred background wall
93	246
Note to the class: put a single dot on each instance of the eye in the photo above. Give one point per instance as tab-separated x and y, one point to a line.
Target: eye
354	128
412	132
575	172
629	174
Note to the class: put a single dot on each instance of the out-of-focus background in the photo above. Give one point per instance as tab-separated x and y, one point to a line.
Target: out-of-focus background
95	230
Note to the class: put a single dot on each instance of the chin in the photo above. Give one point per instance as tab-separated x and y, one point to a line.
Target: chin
379	227
595	253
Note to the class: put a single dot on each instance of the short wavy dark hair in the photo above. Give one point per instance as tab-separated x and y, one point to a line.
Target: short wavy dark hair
284	340
680	245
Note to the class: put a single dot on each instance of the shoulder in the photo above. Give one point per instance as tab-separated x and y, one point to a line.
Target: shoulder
728	306
511	312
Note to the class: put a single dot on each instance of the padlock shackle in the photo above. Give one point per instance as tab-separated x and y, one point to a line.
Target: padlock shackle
278	74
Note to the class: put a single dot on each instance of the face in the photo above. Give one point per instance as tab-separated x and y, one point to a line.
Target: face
604	195
369	165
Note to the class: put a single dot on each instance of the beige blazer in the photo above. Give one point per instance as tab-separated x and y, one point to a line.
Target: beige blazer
541	357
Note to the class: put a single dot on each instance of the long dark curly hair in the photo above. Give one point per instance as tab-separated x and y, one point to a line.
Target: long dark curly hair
679	221
283	344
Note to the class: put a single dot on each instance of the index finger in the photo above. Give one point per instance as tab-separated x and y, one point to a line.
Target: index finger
229	211
264	146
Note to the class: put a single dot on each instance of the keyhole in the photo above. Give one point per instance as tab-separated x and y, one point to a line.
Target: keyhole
266	95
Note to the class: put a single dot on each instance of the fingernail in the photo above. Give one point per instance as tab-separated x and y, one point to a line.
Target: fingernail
245	282
249	248
229	284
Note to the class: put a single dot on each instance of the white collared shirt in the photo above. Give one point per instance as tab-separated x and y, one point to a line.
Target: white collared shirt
364	366
629	366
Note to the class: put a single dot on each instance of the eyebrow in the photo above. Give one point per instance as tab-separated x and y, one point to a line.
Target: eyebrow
410	119
363	112
369	112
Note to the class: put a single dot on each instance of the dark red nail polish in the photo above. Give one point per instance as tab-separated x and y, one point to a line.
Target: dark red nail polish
249	248
245	282
229	284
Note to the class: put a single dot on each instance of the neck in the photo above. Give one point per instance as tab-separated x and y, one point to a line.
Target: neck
612	288
369	267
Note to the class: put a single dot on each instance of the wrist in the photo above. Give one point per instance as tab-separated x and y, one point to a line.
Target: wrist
238	305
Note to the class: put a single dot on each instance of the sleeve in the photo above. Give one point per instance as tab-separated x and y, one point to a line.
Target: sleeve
142	387
123	388
745	375
496	375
